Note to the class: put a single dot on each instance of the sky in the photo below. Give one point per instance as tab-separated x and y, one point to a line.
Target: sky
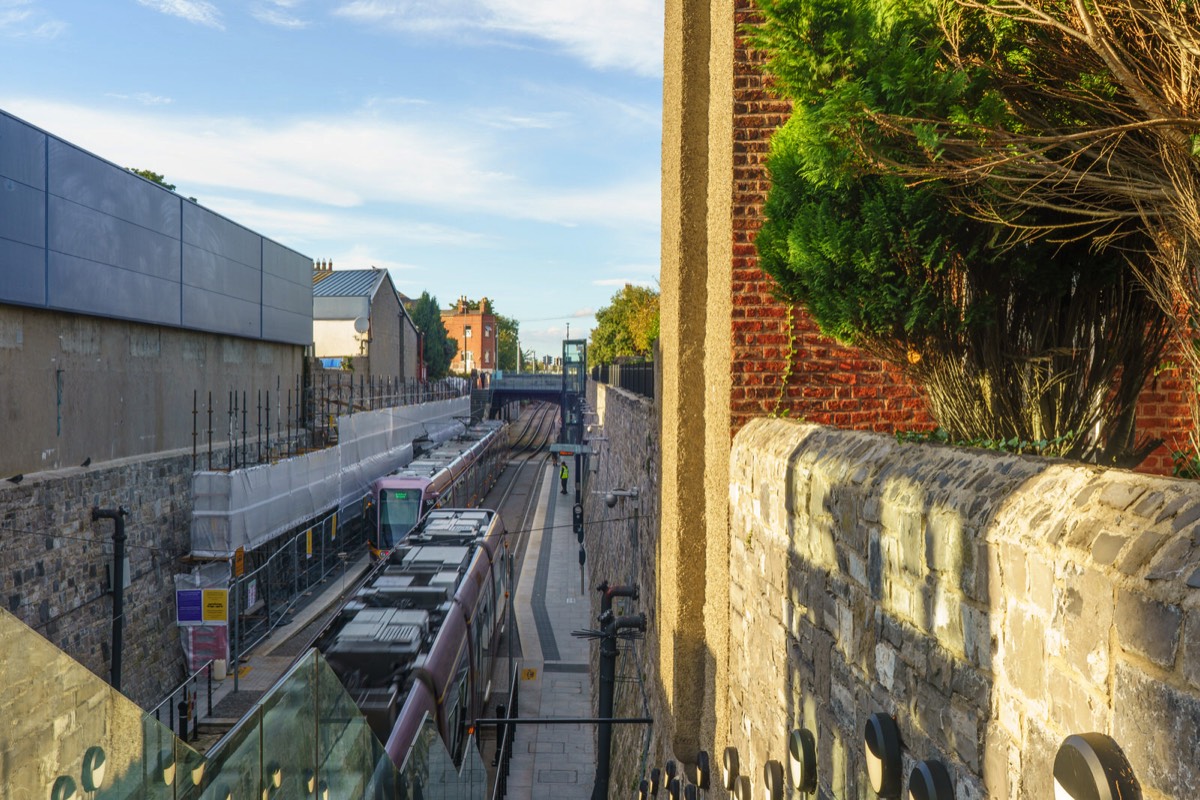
507	149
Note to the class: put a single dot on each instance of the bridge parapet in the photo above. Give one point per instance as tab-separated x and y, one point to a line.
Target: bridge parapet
533	382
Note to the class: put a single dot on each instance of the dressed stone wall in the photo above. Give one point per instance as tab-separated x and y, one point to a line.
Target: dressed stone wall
622	546
993	604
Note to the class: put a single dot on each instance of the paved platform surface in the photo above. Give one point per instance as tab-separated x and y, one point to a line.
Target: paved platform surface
262	668
553	760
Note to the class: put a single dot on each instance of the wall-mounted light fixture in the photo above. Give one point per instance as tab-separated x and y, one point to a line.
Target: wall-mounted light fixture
729	769
802	760
644	790
94	762
198	773
689	792
611	496
773	780
745	789
323	788
881	747
671	768
1091	766
930	780
674	789
655	781
703	770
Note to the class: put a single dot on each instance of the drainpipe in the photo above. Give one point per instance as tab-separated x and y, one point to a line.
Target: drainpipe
118	517
611	628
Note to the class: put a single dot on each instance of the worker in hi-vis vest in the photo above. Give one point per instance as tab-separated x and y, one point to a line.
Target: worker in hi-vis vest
562	476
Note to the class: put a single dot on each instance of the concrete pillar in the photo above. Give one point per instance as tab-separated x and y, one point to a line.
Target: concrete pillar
692	576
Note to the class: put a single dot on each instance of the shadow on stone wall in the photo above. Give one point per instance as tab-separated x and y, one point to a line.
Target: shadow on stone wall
992	604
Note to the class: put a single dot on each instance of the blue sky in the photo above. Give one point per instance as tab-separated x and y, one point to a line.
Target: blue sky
499	148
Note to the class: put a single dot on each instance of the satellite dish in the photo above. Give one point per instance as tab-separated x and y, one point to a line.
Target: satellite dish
362	325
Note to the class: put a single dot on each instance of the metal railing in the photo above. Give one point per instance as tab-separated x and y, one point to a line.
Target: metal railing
636	378
182	704
505	733
268	591
262	426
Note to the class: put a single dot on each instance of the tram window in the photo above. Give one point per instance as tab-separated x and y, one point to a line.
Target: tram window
398	513
484	623
456	717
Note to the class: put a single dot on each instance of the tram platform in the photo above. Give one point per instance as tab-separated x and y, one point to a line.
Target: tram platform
260	669
553	760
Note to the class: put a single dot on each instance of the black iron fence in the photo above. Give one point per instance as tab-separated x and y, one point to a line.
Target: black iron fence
181	709
636	378
241	428
505	734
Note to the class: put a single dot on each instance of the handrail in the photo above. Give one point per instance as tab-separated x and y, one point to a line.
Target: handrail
188	712
504	740
249	717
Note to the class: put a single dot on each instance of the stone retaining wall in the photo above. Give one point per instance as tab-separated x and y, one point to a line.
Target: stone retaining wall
54	563
621	544
993	604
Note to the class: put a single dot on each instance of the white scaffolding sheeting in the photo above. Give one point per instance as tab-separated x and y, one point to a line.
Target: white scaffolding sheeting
250	507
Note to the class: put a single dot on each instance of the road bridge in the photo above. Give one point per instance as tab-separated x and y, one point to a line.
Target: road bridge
507	387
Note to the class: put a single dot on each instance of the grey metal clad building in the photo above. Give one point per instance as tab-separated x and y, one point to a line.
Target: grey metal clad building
80	234
122	304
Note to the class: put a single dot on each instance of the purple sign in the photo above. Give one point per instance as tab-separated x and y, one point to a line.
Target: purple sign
190	604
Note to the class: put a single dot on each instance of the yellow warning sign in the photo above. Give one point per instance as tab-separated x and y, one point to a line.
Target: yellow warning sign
529	674
239	562
216	605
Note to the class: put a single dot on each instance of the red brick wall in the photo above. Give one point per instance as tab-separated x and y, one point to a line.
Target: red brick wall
482	339
828	383
1163	413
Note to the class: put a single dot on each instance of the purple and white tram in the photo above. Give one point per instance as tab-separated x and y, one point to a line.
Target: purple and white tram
420	638
457	473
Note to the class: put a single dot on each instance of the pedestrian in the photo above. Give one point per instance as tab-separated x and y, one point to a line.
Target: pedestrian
562	476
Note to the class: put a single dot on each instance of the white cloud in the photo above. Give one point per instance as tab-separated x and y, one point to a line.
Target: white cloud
342	161
22	19
614	34
200	12
277	13
620	34
582	313
145	98
507	121
297	226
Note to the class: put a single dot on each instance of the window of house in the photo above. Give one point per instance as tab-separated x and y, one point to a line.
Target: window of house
487	330
487	356
467	332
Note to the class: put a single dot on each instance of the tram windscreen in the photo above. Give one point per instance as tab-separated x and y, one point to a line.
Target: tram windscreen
398	513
